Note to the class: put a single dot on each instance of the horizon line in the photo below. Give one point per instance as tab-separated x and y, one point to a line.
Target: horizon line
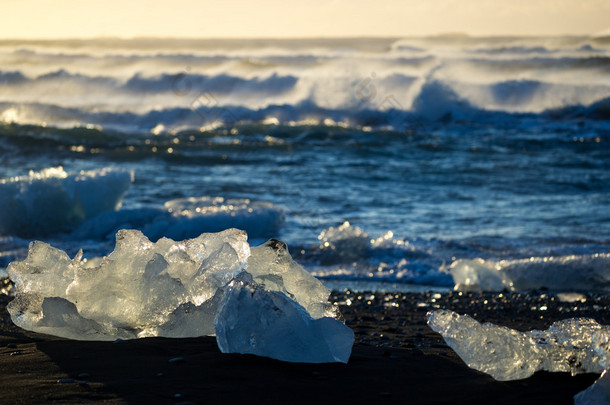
447	35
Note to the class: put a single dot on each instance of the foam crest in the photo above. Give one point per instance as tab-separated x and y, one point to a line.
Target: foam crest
53	200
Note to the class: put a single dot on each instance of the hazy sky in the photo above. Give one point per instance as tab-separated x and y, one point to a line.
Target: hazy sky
305	18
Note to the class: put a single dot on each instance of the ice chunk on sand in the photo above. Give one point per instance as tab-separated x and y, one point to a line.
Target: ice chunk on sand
507	354
267	323
182	289
130	293
53	200
565	273
577	345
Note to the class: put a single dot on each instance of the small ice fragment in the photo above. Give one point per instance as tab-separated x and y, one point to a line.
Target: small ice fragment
477	275
252	320
571	297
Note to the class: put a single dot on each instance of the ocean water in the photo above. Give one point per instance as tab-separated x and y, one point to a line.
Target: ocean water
379	161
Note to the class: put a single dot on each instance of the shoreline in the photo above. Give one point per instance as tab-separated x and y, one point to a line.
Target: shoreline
395	356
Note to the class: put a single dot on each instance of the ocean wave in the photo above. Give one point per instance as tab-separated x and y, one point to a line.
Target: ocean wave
54	201
516	49
187	218
437	104
558	63
346	252
220	84
178	83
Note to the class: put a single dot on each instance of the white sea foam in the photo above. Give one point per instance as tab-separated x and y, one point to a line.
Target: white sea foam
433	78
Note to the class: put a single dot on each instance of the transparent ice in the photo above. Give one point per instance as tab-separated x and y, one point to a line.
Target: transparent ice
257	321
507	354
182	289
577	345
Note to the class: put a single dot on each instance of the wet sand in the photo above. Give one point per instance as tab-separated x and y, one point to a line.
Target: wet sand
396	359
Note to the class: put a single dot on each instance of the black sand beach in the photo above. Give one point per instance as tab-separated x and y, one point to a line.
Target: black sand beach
396	359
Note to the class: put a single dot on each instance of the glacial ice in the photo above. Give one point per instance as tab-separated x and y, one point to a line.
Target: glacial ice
565	273
52	200
182	289
256	321
507	354
577	345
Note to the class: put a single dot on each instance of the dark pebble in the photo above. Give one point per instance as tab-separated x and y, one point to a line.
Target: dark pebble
66	381
83	375
160	374
176	360
83	384
119	340
417	352
385	394
11	346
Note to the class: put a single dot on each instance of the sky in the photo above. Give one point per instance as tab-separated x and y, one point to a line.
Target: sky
305	18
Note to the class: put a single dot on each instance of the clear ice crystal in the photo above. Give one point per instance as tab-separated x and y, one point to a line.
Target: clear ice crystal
507	354
253	320
189	288
577	345
272	266
133	290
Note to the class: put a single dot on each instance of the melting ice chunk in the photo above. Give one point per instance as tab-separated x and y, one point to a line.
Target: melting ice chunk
577	345
182	289
134	290
566	273
53	200
267	323
507	354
